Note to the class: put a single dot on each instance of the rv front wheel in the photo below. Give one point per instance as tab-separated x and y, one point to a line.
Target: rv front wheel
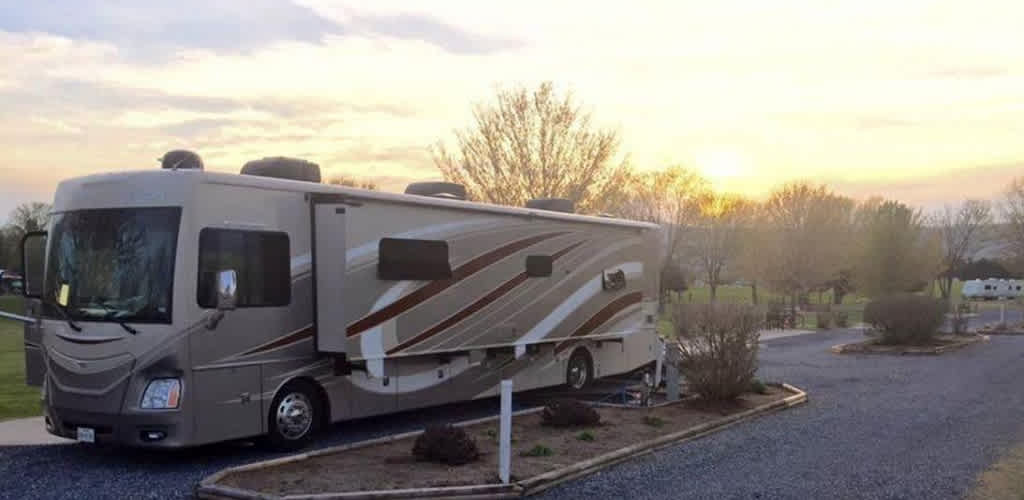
580	370
294	415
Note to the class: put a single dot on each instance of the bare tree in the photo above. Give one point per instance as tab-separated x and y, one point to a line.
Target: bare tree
808	238
1011	208
755	241
717	238
959	229
347	181
29	217
667	197
535	144
25	218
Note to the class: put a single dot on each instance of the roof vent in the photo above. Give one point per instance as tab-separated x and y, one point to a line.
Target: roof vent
448	190
280	167
181	159
552	204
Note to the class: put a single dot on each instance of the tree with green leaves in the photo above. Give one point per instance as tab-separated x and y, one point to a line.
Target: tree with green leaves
895	252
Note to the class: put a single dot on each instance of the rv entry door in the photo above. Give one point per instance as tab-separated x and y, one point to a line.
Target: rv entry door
329	274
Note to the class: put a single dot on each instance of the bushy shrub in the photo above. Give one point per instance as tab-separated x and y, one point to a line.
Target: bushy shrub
824	319
445	444
906	318
568	413
719	359
842	320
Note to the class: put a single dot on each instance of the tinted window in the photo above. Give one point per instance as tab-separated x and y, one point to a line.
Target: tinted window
418	260
262	261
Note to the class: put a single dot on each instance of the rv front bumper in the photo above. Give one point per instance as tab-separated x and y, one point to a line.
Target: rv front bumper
144	430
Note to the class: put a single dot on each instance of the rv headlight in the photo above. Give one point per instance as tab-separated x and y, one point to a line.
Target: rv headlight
162	394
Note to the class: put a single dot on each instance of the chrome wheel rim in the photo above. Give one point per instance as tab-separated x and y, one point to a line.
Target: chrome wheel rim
294	416
578	373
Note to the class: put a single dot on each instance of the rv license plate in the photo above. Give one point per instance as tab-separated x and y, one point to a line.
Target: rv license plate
86	435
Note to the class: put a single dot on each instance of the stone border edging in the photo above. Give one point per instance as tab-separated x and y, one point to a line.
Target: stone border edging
208	489
858	348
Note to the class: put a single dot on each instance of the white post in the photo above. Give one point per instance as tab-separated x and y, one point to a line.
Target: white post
1002	313
505	433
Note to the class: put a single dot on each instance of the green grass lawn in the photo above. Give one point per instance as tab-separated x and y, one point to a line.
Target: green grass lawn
16	398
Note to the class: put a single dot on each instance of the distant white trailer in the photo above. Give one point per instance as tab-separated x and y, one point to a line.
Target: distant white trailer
992	289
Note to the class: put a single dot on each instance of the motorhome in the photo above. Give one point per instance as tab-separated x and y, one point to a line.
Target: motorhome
179	306
991	289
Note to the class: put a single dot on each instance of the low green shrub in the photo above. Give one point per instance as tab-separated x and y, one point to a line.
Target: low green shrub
906	318
569	413
654	421
539	451
758	387
585	436
445	444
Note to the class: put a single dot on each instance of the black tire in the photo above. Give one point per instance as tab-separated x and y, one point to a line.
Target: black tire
295	416
580	364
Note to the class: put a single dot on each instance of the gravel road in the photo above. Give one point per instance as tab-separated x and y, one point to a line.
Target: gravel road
876	427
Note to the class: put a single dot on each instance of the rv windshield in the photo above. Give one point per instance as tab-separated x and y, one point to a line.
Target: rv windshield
113	264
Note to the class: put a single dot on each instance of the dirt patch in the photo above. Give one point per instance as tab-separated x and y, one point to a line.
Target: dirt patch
536	449
936	346
1004	480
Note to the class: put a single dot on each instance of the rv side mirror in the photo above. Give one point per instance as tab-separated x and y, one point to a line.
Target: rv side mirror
227	290
33	264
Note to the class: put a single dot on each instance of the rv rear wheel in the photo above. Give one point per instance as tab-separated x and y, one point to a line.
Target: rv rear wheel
580	371
295	414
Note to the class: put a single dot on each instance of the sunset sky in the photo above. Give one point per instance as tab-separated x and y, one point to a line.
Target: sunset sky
917	100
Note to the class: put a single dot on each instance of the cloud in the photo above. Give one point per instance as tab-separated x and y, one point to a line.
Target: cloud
141	27
867	94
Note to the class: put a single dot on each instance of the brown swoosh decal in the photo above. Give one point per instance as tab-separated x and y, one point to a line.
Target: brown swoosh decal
281	341
477	305
433	288
602	316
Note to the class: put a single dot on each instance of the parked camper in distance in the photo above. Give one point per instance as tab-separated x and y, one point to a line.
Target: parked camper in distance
182	307
992	289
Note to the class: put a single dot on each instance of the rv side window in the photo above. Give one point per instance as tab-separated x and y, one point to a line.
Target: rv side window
988	287
419	260
262	261
538	266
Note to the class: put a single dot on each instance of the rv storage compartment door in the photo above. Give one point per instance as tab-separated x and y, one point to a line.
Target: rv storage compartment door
329	269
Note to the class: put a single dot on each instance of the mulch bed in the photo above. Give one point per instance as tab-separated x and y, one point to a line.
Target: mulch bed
936	346
390	465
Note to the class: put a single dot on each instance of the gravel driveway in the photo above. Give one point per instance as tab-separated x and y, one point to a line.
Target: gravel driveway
876	427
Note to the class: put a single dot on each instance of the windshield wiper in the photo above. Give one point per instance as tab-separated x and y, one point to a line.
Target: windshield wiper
111	313
64	314
128	328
